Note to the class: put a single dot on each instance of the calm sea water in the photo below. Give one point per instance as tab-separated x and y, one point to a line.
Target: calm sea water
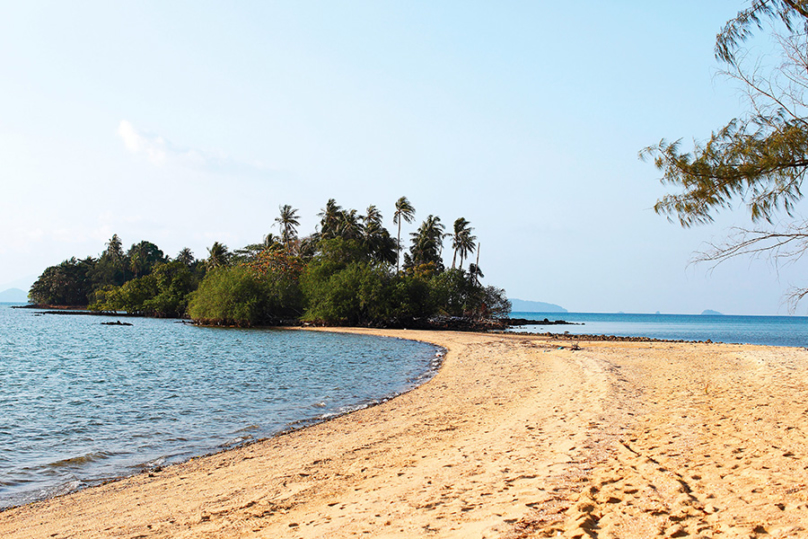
769	330
81	402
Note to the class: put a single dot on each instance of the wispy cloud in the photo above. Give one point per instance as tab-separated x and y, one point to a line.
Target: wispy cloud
154	147
161	152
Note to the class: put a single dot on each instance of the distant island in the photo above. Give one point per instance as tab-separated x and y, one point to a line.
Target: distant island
524	306
712	313
13	295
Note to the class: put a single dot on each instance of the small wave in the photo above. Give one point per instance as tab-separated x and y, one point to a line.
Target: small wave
59	490
79	460
154	463
248	428
236	441
38	494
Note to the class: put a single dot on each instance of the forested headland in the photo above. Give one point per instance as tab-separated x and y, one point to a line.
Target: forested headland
350	271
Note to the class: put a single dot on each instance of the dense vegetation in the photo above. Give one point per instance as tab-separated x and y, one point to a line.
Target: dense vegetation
141	280
350	271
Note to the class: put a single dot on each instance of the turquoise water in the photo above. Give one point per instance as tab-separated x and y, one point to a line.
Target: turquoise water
81	402
768	330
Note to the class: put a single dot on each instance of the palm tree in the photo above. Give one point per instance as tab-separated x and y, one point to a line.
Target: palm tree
270	240
372	222
115	248
136	264
376	239
405	211
114	258
288	223
308	246
427	242
143	257
349	225
373	217
329	218
475	273
218	255
462	240
186	256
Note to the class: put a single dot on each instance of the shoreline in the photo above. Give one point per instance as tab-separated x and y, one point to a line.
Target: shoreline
148	467
513	437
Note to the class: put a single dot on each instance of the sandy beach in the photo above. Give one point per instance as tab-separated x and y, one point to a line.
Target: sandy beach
517	436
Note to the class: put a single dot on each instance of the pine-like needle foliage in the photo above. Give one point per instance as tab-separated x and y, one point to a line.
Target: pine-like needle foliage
759	159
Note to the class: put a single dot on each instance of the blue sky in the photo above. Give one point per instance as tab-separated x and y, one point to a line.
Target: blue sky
186	123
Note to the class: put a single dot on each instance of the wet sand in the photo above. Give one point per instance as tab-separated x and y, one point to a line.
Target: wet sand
517	436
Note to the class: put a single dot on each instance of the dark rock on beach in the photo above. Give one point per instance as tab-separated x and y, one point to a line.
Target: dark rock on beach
545	322
464	323
459	323
614	338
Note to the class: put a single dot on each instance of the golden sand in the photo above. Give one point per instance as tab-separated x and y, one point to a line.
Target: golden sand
514	437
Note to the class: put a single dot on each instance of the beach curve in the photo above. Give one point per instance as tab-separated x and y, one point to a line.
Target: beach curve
516	436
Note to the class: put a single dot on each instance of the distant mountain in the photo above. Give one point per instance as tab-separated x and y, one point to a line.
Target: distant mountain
13	295
712	313
23	283
524	306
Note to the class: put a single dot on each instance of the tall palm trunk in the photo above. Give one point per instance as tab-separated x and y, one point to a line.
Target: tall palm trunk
398	248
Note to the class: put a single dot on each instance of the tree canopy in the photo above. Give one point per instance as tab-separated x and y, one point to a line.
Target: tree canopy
760	158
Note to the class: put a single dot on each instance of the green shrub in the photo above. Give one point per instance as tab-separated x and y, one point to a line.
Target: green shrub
356	294
239	296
